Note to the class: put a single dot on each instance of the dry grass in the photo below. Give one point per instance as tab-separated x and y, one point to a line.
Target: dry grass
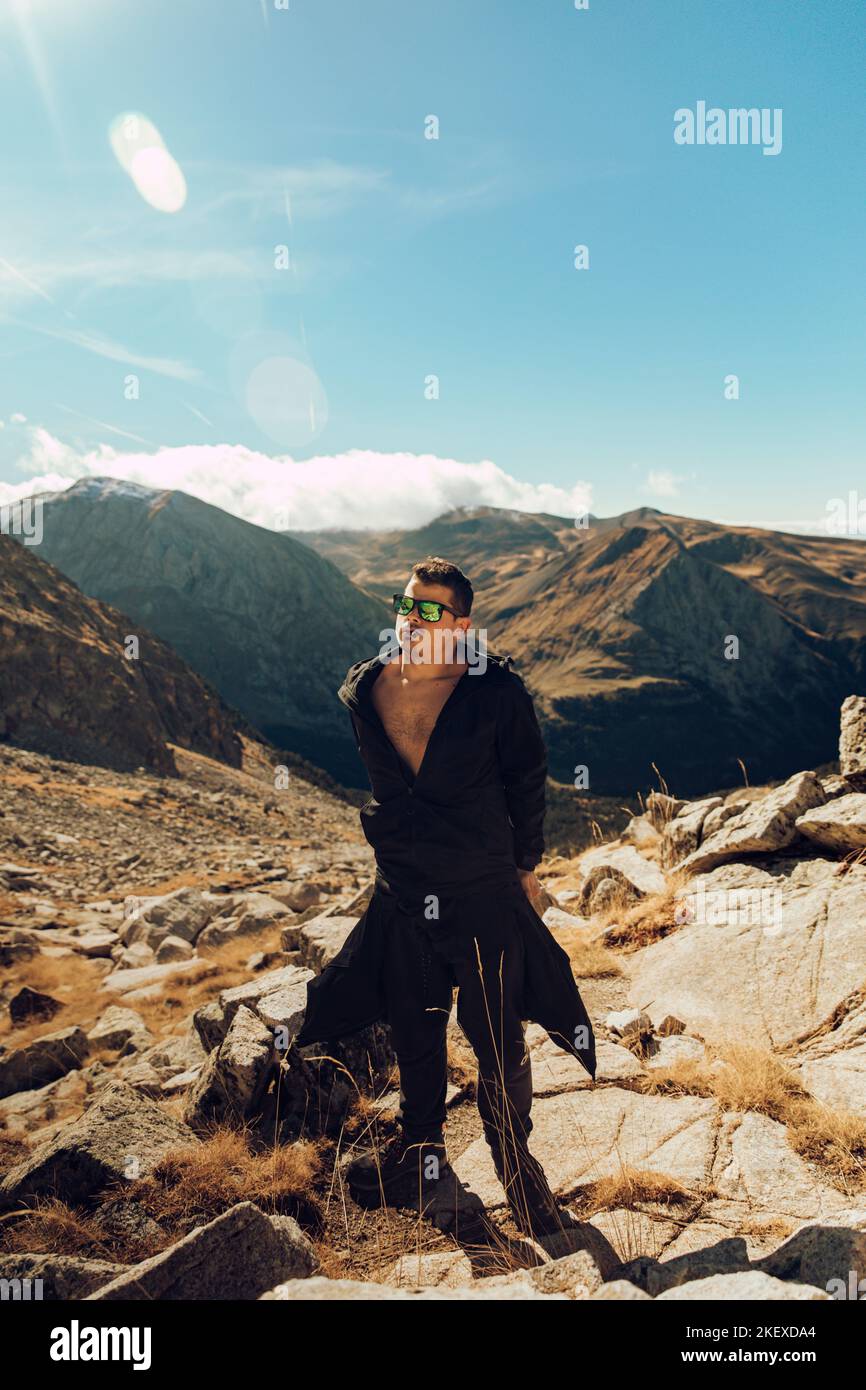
754	1079
53	1228
101	797
749	1079
630	1188
590	960
836	1139
852	860
10	910
70	980
202	1182
223	968
773	1228
629	928
12	1151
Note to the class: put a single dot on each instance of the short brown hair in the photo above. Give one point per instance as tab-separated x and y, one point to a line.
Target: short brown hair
435	570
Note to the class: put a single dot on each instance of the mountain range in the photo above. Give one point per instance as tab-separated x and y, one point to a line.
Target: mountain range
656	646
653	641
68	688
271	625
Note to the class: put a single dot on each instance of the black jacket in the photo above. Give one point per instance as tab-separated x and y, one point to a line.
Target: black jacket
474	814
460	830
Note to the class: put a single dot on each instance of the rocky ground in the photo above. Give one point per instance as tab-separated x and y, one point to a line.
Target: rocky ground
162	1137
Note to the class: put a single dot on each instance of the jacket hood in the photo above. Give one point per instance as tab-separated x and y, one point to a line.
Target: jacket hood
359	677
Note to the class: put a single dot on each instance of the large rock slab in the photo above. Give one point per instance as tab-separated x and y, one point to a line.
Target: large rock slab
56	1278
762	827
586	1136
278	996
839	826
184	913
318	940
823	1252
452	1269
554	1070
42	1060
298	897
852	741
754	1164
251	913
131	981
751	1286
683	833
518	1287
115	1027
121	1136
779	950
240	1255
635	877
713	1226
832	1063
234	1077
97	943
26	1111
29	1005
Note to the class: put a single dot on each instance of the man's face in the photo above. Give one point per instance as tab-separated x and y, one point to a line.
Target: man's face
408	628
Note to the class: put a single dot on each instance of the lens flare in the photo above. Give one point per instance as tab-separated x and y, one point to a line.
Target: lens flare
287	400
140	151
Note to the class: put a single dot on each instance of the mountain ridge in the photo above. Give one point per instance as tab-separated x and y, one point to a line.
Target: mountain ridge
620	630
272	626
67	687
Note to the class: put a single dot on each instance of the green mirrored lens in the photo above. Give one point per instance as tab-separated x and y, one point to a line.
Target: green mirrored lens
431	612
402	605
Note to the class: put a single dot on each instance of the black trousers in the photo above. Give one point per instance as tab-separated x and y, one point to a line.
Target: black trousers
480	949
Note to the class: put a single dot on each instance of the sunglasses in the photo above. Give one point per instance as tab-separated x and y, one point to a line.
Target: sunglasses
430	610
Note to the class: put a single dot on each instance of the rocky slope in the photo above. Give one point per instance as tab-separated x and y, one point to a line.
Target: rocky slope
271	626
156	967
66	684
620	629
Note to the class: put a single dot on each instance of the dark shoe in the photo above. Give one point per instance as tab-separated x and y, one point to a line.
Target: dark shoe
400	1168
531	1203
404	1173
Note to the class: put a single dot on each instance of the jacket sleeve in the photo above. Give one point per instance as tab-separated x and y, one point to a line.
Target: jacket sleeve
523	763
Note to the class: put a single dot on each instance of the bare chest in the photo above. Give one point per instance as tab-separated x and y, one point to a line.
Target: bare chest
409	711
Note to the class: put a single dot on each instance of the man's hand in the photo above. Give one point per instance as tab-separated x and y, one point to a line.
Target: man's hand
531	887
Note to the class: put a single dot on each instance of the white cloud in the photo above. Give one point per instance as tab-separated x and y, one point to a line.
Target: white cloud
360	488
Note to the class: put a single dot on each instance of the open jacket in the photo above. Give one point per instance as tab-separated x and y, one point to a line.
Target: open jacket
458	831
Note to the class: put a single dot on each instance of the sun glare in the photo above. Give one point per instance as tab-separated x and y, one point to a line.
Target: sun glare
140	150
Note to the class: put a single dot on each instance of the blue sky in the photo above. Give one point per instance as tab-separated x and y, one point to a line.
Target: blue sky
409	257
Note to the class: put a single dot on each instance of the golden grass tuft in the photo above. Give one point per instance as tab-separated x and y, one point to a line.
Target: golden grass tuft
53	1228
631	927
630	1188
224	1170
590	960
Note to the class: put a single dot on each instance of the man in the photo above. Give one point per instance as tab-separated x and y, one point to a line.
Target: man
457	768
